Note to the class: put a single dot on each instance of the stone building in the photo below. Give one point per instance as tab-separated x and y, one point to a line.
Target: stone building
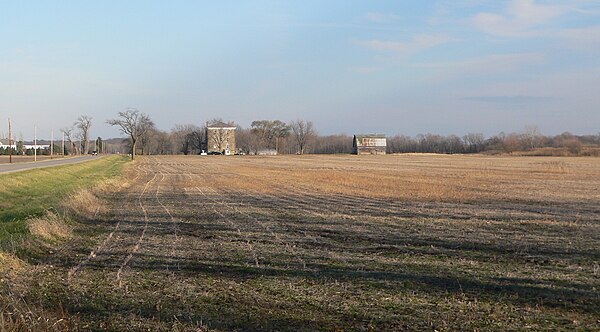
369	144
220	138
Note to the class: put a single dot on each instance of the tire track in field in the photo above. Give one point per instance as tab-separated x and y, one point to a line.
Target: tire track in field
235	207
314	206
136	247
345	204
233	225
102	246
144	168
163	170
300	198
267	228
174	226
301	201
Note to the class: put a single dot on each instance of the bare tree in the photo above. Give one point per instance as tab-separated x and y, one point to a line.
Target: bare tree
84	123
69	135
270	131
196	140
133	123
180	136
247	141
144	141
280	130
158	142
474	142
303	132
511	143
532	137
331	144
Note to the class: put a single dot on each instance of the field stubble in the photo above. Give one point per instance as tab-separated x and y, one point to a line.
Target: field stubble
333	242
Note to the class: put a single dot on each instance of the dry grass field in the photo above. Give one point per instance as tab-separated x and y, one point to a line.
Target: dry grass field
410	242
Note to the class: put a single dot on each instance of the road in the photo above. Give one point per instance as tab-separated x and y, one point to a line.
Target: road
10	168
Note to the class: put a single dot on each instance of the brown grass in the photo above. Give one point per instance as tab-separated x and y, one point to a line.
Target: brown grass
84	203
50	227
87	202
421	177
420	242
9	263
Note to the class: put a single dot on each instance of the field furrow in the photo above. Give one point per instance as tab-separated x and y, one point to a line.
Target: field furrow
318	243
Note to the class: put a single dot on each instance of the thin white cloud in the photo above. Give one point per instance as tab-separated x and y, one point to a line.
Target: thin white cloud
528	13
416	44
365	70
519	19
585	39
382	17
497	63
576	86
516	99
451	11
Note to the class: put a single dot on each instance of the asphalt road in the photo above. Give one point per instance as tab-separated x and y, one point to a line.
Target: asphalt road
17	167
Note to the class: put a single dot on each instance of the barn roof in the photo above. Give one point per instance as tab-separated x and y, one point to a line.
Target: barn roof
370	136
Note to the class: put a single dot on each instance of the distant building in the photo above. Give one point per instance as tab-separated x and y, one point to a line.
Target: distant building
369	144
220	138
266	152
39	146
4	144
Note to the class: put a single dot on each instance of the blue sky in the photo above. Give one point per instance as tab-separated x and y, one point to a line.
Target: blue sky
394	67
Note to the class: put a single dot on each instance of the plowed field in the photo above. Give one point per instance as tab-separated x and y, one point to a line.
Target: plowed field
336	242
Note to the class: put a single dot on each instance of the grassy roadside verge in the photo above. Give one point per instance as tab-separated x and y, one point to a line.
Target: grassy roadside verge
31	193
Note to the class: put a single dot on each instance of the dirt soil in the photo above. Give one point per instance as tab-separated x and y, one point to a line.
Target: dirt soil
334	243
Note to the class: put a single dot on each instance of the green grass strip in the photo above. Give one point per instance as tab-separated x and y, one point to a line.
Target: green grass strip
29	193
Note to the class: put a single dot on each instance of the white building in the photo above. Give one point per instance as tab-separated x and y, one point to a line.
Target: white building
39	146
5	146
25	146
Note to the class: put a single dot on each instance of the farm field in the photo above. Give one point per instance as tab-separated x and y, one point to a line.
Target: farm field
409	242
24	159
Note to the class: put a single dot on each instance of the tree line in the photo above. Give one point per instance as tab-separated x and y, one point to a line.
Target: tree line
295	137
76	137
530	140
272	135
300	136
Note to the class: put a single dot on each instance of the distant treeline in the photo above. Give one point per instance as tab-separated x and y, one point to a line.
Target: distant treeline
186	139
300	136
528	142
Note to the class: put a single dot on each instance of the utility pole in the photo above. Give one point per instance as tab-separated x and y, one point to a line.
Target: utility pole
34	143
63	144
51	143
9	141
